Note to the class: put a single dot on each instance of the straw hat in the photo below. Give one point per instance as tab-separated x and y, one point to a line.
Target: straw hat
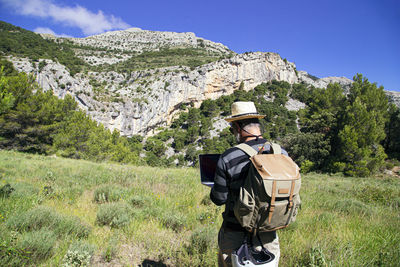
242	111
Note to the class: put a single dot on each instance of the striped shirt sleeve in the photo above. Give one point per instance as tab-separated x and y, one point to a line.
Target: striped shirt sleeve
219	192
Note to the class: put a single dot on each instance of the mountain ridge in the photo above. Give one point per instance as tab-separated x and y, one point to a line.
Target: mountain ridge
139	101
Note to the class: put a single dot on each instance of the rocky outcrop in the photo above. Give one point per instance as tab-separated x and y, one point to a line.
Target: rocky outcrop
115	46
323	82
394	97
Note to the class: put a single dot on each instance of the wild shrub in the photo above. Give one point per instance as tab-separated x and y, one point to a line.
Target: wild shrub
38	244
6	190
45	217
79	254
139	201
377	194
114	214
73	226
107	193
201	240
10	254
175	221
306	166
34	219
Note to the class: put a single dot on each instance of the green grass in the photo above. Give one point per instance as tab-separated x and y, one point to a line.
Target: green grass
127	215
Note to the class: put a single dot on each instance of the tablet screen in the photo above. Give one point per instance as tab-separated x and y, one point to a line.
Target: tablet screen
208	164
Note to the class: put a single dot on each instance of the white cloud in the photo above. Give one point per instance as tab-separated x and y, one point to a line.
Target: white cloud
75	16
50	31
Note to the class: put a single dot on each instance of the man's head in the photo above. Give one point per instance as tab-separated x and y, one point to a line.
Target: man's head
246	129
244	121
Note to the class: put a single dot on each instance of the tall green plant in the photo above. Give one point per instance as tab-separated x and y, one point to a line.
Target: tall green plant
392	140
363	128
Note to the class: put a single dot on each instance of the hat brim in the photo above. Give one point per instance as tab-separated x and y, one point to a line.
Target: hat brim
244	117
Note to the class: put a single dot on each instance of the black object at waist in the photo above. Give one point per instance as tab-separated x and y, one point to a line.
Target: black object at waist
233	227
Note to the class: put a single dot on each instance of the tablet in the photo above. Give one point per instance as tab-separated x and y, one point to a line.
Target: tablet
208	165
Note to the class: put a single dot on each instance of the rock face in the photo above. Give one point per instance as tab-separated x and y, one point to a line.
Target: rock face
394	97
141	101
148	99
115	46
323	82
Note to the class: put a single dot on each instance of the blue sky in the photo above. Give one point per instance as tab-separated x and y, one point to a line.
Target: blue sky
322	37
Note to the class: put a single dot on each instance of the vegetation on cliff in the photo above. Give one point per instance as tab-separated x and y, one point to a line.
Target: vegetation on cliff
165	57
20	42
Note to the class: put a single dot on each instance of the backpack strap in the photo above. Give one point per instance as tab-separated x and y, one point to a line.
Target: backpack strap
276	148
247	149
272	205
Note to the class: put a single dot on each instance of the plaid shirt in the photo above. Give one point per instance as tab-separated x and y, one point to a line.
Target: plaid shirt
232	168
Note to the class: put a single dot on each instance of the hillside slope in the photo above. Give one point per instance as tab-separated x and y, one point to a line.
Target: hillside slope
62	211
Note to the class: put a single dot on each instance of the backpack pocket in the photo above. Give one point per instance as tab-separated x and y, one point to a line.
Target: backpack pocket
244	209
284	200
282	215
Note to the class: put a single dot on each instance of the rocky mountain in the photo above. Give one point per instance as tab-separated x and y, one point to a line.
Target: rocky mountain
122	44
140	101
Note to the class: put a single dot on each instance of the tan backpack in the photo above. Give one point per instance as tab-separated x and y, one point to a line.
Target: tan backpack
269	199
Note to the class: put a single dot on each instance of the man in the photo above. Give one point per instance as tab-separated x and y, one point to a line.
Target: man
231	171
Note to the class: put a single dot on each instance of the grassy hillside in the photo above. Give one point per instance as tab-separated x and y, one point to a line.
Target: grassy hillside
56	211
23	43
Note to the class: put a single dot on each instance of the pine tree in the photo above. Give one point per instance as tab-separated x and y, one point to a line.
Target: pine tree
392	140
363	128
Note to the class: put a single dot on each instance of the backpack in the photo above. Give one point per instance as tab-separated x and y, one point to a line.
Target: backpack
269	198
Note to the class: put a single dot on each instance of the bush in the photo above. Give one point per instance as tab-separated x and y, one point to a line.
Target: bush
38	244
114	214
139	201
78	254
306	166
44	217
34	219
201	240
174	221
376	194
73	226
6	191
108	193
10	254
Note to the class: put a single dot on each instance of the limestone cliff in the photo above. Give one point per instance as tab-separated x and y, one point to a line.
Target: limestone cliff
141	101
